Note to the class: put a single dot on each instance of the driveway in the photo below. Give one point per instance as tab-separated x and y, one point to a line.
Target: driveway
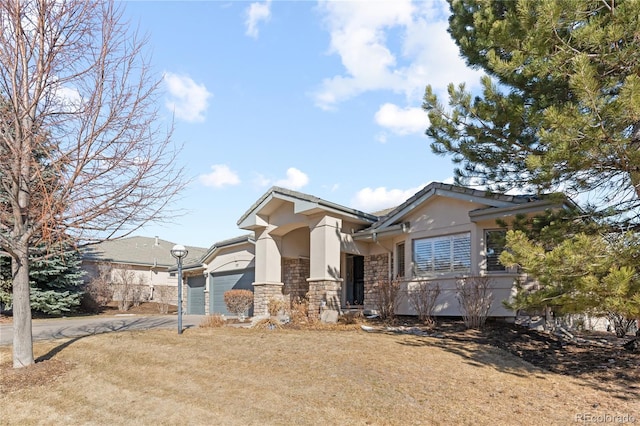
59	328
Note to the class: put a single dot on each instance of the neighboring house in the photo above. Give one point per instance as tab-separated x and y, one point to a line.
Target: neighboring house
335	255
146	261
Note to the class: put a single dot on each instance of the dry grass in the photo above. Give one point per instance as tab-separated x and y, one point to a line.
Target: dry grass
239	376
212	321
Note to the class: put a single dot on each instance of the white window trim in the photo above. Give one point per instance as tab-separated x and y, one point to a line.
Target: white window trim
452	260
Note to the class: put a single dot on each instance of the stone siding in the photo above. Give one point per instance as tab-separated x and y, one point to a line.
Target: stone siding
323	294
262	294
295	273
376	268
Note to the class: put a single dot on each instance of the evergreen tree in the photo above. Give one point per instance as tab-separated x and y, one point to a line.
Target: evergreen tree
560	105
559	109
55	277
585	273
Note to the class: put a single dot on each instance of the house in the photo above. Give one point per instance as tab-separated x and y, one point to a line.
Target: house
301	246
143	261
336	256
226	265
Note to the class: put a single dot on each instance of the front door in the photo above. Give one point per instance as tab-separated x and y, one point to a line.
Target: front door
355	281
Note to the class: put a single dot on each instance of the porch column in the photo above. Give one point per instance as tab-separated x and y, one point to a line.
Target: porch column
325	283
268	279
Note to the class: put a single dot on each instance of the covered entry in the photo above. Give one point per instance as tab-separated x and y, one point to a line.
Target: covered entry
223	281
195	295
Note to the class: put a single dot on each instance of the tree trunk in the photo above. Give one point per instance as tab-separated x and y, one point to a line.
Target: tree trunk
22	332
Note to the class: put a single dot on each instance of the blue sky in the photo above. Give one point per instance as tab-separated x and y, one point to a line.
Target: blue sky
319	97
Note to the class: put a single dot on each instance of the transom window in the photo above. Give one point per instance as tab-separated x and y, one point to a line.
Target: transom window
451	253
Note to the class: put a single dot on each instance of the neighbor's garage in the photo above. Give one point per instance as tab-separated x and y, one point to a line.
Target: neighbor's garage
223	281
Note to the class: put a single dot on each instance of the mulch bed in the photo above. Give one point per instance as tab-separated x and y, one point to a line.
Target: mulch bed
597	357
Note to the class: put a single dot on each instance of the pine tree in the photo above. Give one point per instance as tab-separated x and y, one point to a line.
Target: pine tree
560	104
559	109
55	277
585	273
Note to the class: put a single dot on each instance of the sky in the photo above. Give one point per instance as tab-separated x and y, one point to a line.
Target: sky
319	97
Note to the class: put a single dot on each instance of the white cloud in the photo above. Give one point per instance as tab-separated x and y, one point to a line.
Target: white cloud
371	200
69	99
187	99
402	121
360	33
221	176
295	179
256	13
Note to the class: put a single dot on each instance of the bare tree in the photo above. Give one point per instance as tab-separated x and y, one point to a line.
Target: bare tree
128	287
81	148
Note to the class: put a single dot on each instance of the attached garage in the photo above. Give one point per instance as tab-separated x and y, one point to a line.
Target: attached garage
195	295
224	281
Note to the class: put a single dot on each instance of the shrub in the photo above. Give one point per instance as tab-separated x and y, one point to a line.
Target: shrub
212	321
128	288
276	307
299	310
162	295
238	302
475	298
352	317
423	297
388	296
99	291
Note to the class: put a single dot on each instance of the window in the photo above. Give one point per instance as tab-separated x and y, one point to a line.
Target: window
494	241
442	254
400	256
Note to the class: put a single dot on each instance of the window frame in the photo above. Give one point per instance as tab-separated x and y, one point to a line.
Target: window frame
401	259
437	252
493	267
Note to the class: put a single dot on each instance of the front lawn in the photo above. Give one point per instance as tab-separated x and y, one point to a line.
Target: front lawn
231	376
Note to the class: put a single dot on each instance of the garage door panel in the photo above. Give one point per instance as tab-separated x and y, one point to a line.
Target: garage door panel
224	281
195	296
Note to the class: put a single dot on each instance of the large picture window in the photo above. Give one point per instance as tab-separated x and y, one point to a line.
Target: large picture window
451	253
495	241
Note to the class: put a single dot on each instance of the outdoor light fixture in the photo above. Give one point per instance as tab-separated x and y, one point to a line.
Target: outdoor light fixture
179	252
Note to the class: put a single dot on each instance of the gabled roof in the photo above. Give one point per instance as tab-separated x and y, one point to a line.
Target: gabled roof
144	251
490	199
303	203
227	243
497	205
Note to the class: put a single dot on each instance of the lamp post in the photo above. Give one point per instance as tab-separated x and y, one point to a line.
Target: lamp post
179	252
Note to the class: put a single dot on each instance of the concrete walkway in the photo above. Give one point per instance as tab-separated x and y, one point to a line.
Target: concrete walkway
60	328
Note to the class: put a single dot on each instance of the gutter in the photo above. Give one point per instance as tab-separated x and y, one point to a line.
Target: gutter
375	234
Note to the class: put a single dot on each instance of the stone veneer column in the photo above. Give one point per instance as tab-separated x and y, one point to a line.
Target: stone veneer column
262	294
323	292
268	280
325	284
376	268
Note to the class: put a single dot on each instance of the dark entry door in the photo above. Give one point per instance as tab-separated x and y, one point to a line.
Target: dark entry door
355	280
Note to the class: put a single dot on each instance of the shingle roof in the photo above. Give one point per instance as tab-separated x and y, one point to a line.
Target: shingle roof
138	251
310	198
